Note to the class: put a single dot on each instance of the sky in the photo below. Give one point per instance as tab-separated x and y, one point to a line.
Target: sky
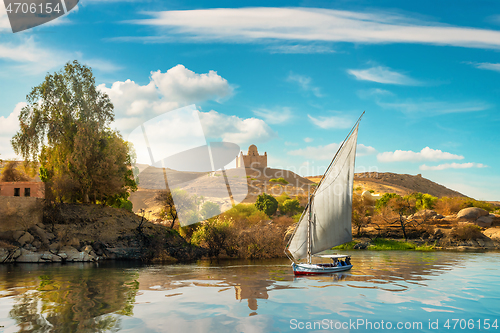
291	77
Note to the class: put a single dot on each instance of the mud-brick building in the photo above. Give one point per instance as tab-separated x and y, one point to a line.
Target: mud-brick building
22	189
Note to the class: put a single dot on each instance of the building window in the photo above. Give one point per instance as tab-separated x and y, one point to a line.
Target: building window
27	192
17	192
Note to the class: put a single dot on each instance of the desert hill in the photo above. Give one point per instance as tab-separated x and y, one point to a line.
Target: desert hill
260	181
151	181
388	182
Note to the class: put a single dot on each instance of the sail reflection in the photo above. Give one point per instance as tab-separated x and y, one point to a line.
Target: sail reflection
257	281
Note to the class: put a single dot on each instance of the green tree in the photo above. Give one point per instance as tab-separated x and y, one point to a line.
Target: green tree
267	204
65	127
423	200
382	202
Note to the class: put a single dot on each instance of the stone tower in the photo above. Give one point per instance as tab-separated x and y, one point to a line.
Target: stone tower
253	159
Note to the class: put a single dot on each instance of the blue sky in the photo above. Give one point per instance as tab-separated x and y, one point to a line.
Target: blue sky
291	77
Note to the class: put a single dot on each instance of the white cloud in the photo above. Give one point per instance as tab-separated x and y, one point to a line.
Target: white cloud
313	24
8	127
308	140
300	49
375	93
331	122
453	166
185	86
382	75
426	154
435	108
328	152
305	83
276	116
235	129
362	150
487	65
168	91
27	56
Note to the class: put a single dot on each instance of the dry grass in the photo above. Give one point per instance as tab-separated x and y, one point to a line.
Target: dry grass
466	232
260	242
449	206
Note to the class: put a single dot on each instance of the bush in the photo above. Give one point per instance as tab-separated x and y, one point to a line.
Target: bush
267	204
13	172
360	213
466	232
296	217
384	200
209	209
257	217
423	200
448	206
278	180
215	235
187	231
290	207
261	242
479	204
284	221
244	212
282	198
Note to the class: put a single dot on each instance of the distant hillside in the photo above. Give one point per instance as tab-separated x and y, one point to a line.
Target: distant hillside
388	182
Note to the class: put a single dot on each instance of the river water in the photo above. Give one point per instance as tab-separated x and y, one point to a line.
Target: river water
385	291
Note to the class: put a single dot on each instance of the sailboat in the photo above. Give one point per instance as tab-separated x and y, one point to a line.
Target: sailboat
326	220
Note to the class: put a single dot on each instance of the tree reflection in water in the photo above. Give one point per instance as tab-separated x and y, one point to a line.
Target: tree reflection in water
74	298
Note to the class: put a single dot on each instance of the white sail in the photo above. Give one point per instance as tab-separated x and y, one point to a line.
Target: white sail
331	206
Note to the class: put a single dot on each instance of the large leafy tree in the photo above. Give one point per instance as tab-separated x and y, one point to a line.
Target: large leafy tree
65	128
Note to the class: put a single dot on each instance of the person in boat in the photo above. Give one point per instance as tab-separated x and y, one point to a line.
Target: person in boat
348	261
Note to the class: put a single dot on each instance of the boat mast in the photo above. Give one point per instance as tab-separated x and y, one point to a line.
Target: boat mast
309	229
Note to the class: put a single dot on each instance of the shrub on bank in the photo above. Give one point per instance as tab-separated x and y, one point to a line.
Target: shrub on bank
245	212
267	204
466	232
449	206
215	235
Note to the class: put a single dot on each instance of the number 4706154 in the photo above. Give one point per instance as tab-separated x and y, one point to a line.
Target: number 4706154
470	324
24	7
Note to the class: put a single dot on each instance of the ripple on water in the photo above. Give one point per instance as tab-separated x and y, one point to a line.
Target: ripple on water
245	296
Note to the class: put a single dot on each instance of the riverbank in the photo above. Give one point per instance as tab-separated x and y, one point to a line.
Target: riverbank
384	244
84	233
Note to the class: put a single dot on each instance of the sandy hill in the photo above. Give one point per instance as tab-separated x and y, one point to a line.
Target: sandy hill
388	182
151	181
259	181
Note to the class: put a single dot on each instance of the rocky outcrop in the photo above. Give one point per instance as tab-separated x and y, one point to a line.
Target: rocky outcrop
85	233
471	214
425	214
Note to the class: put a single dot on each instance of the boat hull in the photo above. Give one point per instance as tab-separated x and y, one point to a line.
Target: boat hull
315	269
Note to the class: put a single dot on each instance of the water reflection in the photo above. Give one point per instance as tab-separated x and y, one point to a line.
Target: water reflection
128	297
253	281
68	298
